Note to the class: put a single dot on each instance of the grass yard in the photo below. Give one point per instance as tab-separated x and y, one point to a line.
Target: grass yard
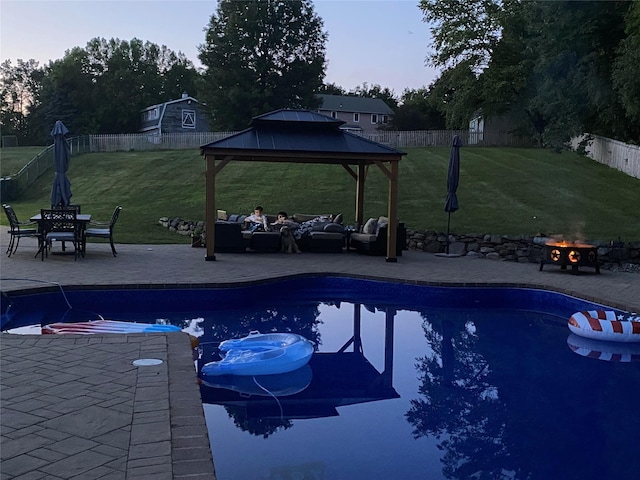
12	159
502	190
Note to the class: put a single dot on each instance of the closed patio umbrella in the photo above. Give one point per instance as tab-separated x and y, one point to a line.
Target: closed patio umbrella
61	189
453	178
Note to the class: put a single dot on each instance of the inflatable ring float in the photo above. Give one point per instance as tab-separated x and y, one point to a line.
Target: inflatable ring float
606	325
606	351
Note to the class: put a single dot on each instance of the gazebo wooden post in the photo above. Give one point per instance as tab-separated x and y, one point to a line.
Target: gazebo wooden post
389	317
210	206
360	195
392	230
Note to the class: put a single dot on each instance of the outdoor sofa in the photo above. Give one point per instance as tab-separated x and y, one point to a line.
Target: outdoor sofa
321	234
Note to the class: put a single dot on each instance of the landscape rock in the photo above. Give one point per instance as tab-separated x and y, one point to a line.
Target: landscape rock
613	255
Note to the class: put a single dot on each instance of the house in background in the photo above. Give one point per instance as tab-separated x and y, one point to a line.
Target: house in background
176	116
361	115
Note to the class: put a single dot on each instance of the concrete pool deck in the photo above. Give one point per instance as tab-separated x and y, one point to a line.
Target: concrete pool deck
76	407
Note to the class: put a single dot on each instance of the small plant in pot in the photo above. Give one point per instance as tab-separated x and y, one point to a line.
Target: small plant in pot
197	238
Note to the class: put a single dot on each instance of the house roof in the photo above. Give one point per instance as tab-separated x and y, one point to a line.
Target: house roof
351	103
184	99
296	135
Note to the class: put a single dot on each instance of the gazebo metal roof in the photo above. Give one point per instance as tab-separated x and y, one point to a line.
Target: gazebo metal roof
303	136
291	133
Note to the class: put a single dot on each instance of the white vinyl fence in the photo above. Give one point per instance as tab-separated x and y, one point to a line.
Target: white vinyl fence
143	141
615	154
421	138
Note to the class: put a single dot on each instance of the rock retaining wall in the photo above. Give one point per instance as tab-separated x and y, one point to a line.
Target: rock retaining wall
509	247
496	247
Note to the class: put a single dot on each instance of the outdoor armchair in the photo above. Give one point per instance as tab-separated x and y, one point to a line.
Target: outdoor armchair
104	229
18	230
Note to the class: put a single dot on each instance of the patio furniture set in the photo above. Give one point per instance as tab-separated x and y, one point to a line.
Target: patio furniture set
324	233
65	225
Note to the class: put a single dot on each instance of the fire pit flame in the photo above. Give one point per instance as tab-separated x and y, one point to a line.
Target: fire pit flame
574	254
565	244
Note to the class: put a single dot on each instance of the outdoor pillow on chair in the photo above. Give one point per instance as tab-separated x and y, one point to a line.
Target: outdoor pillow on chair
370	227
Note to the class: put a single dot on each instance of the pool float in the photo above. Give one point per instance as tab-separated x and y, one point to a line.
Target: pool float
261	354
606	325
279	385
107	326
603	350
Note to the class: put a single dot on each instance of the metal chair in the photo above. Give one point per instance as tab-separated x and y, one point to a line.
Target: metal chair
18	230
104	229
61	225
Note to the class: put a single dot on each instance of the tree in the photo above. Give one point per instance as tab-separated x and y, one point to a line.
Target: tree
260	56
456	94
331	89
417	112
462	30
626	71
69	94
19	89
547	64
376	91
102	88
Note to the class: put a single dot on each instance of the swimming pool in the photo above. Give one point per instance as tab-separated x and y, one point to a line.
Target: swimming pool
407	382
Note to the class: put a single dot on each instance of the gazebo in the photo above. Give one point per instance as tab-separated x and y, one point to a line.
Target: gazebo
303	136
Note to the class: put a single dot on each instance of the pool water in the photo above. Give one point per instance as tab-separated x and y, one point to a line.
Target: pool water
407	381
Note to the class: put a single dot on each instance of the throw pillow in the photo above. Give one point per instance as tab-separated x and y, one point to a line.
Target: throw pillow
370	227
338	219
383	222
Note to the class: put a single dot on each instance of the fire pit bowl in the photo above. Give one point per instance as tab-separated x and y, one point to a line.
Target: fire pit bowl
574	254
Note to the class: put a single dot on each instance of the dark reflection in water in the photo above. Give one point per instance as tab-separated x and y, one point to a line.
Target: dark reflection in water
405	392
495	395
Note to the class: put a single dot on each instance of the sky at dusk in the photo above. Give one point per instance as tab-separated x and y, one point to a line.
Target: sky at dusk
382	42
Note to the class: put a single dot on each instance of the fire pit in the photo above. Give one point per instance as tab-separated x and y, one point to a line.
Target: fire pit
574	254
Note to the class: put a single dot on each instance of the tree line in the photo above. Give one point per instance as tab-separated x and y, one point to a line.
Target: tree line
554	69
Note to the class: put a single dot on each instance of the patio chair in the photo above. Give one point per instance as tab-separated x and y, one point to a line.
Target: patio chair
104	229
59	224
18	230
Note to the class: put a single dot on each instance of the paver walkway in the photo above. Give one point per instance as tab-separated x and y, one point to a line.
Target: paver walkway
76	407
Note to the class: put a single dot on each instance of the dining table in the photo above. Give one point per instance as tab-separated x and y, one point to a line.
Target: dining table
83	220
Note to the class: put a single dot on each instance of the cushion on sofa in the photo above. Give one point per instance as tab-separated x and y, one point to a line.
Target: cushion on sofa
383	222
333	227
363	237
338	219
370	227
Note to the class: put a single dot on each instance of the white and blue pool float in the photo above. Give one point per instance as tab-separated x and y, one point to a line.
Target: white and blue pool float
261	354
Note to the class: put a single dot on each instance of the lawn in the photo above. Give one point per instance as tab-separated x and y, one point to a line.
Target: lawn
12	159
511	191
